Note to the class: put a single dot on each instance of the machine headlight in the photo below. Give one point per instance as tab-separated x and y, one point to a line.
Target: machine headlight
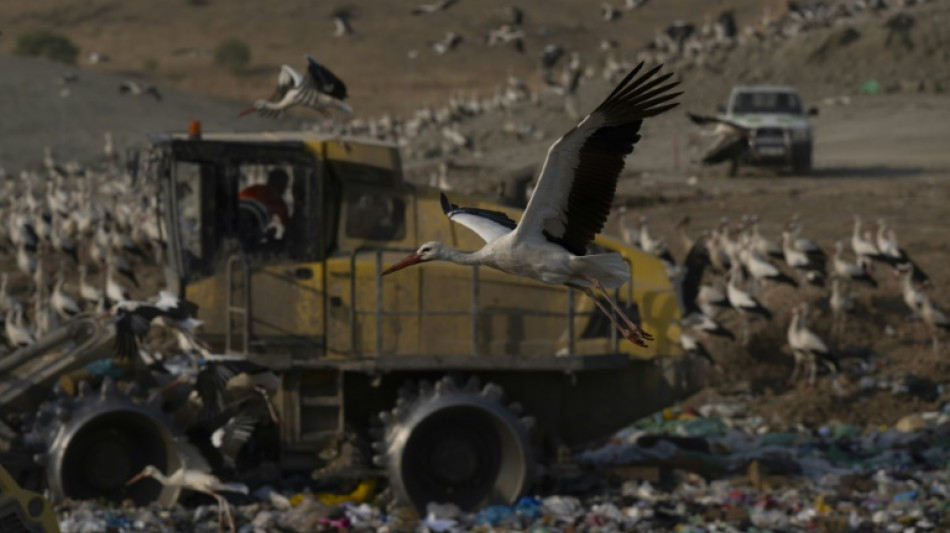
801	134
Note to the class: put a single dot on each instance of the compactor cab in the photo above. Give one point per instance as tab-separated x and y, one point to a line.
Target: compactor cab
453	382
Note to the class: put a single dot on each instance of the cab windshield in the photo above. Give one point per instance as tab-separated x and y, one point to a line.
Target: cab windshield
783	102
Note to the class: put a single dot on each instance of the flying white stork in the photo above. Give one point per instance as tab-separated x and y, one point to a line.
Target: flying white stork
570	203
198	482
319	89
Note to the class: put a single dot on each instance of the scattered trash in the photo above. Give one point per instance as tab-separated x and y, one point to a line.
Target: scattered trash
872	86
724	471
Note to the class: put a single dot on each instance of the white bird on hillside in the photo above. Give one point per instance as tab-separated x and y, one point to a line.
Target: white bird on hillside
763	244
341	22
438	5
895	255
847	270
198	482
40	276
935	319
711	299
88	292
7	302
841	305
114	292
913	297
861	246
570	203
320	89
61	302
61	242
744	304
801	261
18	335
135	88
807	347
761	269
800	243
44	318
25	261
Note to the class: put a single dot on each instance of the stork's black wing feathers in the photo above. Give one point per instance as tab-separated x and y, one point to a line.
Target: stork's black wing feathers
213	378
131	327
326	81
495	216
601	158
234	434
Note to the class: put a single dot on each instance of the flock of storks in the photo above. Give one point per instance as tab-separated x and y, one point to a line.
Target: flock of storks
739	262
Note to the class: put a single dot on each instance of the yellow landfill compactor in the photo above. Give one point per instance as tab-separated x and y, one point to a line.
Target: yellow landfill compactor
452	383
23	511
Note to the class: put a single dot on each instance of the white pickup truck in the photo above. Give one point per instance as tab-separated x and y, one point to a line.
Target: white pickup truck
776	124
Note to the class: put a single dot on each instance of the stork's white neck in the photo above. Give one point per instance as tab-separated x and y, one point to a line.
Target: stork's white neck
460	258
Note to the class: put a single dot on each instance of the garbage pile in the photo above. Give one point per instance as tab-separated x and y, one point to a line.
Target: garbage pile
684	470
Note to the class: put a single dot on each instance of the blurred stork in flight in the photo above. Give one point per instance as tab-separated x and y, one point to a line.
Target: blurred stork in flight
319	89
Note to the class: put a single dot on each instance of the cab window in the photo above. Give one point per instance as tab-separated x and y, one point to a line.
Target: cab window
375	216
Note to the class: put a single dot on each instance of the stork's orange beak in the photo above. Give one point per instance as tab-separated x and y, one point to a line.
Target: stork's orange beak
411	259
135	479
247	111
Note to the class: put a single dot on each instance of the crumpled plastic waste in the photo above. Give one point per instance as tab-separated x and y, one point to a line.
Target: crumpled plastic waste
835	477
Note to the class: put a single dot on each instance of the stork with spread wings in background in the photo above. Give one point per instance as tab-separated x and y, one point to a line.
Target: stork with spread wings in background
319	89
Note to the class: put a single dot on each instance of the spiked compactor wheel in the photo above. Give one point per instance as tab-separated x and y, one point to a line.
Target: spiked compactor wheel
91	444
455	443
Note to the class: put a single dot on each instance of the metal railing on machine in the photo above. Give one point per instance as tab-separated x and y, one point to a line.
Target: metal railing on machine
474	310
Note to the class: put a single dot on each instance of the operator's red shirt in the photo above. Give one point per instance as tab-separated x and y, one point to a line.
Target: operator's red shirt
268	198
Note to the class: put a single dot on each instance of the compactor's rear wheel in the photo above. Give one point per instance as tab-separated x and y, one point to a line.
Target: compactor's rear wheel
452	443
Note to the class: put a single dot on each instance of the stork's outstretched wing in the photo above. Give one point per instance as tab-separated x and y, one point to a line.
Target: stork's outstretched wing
576	188
286	80
325	81
489	225
705	120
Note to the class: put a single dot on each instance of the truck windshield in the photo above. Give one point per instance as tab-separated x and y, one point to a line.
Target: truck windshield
767	102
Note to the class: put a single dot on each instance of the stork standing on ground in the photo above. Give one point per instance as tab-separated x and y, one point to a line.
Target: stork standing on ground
805	344
319	89
935	319
198	482
851	271
570	203
744	304
841	305
895	255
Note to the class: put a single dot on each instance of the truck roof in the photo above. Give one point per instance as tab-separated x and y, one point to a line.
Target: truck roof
766	88
269	136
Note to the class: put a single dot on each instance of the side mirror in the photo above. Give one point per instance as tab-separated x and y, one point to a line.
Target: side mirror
721	109
813	111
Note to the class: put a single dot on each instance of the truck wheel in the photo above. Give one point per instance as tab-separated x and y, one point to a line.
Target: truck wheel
801	164
91	445
733	167
457	444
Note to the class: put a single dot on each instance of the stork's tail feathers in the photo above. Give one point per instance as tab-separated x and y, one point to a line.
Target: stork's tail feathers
343	106
239	488
609	269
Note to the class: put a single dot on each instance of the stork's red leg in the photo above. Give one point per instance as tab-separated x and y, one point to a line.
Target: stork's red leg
637	330
630	335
